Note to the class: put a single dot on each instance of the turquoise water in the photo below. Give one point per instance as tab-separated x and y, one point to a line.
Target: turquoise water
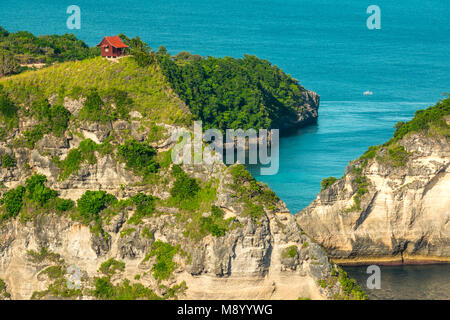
323	43
343	132
423	282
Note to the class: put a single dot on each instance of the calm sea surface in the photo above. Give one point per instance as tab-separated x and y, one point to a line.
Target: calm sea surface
323	43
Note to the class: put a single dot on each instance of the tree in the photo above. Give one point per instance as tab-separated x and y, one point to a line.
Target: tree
8	65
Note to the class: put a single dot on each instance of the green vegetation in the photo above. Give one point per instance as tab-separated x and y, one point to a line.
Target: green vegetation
139	157
106	290
8	112
289	252
35	198
164	266
54	272
85	153
37	191
126	231
63	205
146	233
433	118
24	48
327	182
194	198
111	266
91	203
233	93
145	207
42	255
139	50
96	110
398	155
322	283
362	184
13	201
121	87
215	223
370	153
126	290
3	291
184	187
53	119
350	287
253	194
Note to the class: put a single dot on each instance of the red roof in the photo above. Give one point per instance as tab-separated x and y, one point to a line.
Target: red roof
115	41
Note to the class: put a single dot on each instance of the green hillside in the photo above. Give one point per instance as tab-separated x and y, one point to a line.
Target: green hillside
145	88
22	48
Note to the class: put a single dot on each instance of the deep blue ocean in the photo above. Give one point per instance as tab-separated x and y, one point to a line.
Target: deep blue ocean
323	43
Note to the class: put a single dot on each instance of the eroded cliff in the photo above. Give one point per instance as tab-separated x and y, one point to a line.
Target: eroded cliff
93	207
393	203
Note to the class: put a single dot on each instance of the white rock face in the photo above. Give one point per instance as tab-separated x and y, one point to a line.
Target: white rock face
249	262
404	217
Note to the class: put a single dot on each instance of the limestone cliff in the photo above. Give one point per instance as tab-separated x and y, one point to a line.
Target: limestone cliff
92	206
393	203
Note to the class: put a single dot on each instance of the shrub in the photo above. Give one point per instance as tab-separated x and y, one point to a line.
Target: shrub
121	101
126	232
138	156
350	286
37	191
42	255
84	153
3	291
145	207
164	265
104	289
424	120
370	153
184	186
254	195
215	224
13	200
146	233
8	110
54	272
92	202
93	109
327	182
398	155
64	205
32	136
111	266
59	119
7	161
289	252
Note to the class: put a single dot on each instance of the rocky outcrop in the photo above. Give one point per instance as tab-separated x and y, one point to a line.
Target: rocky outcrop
248	262
403	212
305	114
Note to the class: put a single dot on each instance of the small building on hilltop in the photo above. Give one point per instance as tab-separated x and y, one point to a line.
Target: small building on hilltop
112	47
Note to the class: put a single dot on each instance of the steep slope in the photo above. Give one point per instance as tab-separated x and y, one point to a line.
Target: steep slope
93	207
393	203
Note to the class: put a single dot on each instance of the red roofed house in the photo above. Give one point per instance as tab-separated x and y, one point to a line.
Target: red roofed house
112	47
